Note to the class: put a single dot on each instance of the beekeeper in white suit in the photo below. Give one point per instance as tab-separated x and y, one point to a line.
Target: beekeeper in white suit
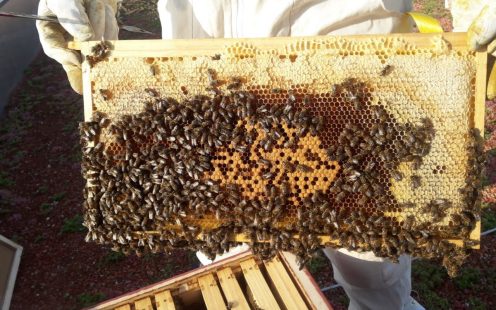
370	282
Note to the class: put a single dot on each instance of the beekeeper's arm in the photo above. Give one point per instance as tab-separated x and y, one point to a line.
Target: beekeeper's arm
81	20
478	18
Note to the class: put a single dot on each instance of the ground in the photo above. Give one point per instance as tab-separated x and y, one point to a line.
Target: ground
41	194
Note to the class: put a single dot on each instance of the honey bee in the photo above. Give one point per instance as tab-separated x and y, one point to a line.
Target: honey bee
387	70
291	96
398	176
264	162
415	181
267	175
340	196
216	57
99	52
408	205
236	83
417	162
304	168
334	89
153	70
151	92
106	94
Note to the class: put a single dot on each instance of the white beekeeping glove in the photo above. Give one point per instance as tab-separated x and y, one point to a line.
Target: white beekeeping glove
482	32
80	20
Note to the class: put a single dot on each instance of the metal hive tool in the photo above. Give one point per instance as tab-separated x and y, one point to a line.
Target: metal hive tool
359	141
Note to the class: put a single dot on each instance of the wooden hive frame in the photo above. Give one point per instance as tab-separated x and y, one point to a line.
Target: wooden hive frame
274	284
197	48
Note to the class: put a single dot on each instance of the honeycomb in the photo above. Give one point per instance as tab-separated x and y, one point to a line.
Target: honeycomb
398	75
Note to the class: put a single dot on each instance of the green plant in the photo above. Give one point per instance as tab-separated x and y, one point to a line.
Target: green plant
488	218
427	278
42	190
5	181
193	259
476	304
4	210
148	256
428	273
489	280
46	207
88	299
344	300
317	263
431	300
468	278
16	238
112	257
16	158
73	225
69	127
167	271
76	155
39	238
58	197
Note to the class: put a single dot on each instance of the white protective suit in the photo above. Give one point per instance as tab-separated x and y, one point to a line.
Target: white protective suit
370	282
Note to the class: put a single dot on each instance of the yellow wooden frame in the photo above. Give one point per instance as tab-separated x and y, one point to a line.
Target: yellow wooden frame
202	47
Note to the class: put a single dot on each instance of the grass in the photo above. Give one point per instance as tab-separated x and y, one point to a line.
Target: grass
88	299
73	225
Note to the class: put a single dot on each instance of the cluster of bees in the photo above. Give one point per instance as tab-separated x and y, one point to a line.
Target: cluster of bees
152	193
99	52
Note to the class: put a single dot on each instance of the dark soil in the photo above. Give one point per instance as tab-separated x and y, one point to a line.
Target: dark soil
41	198
41	203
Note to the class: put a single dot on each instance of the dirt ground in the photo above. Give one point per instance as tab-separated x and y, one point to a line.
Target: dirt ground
41	194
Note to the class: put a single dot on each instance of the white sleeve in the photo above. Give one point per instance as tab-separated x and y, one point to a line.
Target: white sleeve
188	19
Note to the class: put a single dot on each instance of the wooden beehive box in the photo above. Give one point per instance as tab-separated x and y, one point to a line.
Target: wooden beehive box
238	282
410	76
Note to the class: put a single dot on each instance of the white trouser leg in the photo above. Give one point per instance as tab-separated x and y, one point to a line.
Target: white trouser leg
372	284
